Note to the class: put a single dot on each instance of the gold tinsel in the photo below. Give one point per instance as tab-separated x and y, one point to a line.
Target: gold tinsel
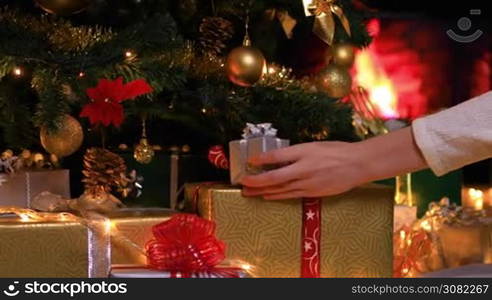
103	171
61	33
214	34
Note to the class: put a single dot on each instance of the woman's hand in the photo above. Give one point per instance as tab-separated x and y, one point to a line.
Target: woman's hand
313	170
329	168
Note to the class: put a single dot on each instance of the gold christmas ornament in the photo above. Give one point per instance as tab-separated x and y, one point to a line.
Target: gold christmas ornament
335	81
64	141
246	64
343	54
63	7
144	153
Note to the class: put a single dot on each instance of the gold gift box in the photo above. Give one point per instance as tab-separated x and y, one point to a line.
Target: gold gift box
356	230
463	245
70	249
136	226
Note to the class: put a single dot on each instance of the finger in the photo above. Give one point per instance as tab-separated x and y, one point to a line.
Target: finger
276	189
284	196
283	155
272	178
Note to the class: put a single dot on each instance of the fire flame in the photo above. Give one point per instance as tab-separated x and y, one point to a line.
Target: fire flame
371	76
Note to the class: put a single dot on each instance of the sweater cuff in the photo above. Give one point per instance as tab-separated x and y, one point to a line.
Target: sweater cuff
428	147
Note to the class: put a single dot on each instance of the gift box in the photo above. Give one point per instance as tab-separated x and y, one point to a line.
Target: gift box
143	272
20	188
463	245
256	140
448	236
62	245
351	236
135	225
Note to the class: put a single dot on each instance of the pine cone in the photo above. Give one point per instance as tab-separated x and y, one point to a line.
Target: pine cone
103	171
215	32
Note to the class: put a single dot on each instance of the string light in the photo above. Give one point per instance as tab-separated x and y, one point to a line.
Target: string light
204	110
81	74
17	71
129	54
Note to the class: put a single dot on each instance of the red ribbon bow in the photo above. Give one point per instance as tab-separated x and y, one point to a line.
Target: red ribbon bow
185	243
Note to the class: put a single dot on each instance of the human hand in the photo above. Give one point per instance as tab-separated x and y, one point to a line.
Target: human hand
314	170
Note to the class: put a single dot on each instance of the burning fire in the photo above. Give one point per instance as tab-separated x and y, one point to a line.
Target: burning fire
371	76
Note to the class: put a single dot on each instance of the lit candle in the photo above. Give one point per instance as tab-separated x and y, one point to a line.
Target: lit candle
487	200
473	198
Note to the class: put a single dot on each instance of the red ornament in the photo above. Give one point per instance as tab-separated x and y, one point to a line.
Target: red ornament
217	157
185	243
105	106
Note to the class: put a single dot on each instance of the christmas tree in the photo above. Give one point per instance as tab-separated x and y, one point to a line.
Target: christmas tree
209	68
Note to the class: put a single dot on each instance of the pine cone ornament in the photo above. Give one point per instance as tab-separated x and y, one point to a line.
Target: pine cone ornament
215	32
103	171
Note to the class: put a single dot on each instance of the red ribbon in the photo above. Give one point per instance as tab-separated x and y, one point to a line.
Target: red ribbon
185	244
311	238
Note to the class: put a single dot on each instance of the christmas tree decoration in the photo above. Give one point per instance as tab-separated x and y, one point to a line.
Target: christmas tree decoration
335	81
324	22
343	54
65	140
17	71
218	157
245	64
103	171
105	107
63	7
144	152
7	161
215	32
288	23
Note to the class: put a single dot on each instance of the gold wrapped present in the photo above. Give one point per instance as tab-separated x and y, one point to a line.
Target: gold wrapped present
63	245
53	248
134	225
355	239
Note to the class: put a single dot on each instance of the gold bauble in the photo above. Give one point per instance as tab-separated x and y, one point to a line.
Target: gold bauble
143	152
64	141
63	7
335	81
343	54
245	65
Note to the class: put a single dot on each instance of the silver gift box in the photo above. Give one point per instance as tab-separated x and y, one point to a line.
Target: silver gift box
20	188
256	140
143	272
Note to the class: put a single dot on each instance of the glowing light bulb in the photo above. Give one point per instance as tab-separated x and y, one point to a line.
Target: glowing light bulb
129	54
17	71
24	218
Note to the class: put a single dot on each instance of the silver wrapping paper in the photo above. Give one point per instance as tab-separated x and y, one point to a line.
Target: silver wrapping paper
20	188
256	140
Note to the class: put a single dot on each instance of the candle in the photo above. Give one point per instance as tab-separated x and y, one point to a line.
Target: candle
473	198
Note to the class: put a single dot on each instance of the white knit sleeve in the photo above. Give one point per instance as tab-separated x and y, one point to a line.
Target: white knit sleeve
457	136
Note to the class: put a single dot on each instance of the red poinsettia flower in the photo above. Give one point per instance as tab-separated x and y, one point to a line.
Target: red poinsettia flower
105	106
